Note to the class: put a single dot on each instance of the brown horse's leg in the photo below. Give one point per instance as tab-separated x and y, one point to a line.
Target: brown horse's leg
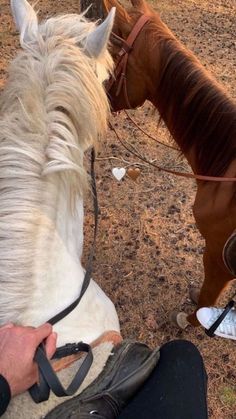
216	279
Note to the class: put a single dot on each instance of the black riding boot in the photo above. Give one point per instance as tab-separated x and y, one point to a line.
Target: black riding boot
125	372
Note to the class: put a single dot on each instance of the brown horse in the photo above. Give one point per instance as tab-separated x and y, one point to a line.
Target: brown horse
200	117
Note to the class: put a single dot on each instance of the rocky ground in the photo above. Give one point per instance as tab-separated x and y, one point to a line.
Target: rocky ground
149	250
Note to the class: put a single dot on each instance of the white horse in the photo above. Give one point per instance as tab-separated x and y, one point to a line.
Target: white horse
52	109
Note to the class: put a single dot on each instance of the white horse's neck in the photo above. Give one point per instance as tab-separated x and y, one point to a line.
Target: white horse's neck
59	275
54	107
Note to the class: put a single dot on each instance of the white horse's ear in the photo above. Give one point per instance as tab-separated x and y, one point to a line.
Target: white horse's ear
25	19
97	40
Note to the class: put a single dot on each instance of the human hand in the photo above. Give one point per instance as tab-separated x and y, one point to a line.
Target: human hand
17	349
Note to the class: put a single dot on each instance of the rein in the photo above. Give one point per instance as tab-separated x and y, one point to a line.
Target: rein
148	135
172	172
48	380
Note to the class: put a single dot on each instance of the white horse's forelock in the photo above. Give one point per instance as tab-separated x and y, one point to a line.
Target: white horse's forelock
52	109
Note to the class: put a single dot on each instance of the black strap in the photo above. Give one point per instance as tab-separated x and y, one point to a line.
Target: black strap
48	380
47	377
5	394
66	350
211	331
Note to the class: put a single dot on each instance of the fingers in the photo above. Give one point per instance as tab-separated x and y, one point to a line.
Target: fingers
35	336
7	326
50	344
42	332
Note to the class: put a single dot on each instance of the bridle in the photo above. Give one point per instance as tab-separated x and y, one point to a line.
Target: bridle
119	77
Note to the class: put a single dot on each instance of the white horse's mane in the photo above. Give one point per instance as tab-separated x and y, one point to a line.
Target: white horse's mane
52	109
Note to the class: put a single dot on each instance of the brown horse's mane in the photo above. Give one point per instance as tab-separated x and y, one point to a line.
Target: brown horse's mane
199	114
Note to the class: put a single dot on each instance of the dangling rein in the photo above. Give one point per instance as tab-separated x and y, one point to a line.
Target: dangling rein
172	172
48	380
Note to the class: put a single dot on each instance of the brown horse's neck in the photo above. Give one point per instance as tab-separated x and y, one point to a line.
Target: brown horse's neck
198	113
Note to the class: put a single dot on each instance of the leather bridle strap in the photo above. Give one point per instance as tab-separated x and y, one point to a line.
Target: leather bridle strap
123	55
47	378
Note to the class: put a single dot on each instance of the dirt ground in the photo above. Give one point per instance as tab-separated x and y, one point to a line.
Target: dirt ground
149	250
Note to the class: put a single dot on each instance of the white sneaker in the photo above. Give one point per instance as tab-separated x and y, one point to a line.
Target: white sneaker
227	328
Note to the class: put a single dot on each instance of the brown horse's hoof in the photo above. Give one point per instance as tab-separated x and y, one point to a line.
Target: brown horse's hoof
194	294
192	319
179	318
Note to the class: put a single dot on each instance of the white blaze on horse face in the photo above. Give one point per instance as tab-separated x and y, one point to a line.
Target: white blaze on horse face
97	41
25	19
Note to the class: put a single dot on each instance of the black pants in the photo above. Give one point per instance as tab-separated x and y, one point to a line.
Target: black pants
176	389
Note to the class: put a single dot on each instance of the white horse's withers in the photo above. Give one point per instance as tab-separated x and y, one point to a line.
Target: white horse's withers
52	109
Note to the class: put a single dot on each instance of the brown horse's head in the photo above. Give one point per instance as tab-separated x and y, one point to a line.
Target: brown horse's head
139	67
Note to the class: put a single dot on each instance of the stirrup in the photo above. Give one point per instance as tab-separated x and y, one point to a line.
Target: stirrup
211	331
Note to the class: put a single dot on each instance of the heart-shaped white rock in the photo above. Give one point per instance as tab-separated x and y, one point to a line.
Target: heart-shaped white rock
118	172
